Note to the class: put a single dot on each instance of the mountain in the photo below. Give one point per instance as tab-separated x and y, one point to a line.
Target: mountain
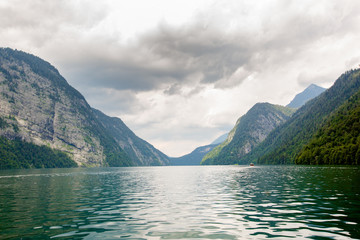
39	108
338	141
285	142
309	93
193	158
249	131
141	152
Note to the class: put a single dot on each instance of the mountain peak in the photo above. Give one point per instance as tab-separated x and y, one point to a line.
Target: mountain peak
309	93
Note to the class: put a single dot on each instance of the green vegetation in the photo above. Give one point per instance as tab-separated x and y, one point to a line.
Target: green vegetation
338	141
3	123
248	132
20	154
285	142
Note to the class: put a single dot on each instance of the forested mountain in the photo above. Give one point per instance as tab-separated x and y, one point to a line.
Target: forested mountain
285	142
338	141
193	158
38	106
141	152
309	93
249	131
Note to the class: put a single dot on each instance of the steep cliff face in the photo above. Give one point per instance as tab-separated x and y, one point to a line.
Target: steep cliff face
141	152
250	130
39	106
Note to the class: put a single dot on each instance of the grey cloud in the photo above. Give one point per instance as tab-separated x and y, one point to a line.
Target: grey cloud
39	21
169	56
197	48
173	89
112	102
158	60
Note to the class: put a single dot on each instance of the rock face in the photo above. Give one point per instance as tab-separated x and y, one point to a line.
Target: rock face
250	130
42	108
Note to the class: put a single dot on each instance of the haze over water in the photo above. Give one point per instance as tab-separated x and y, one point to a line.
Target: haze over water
207	202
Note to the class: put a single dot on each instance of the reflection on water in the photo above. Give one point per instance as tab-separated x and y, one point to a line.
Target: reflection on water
212	202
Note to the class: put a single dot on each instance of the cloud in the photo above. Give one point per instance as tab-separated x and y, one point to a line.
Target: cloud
35	23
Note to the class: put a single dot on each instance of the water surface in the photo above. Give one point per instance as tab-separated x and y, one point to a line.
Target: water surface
195	202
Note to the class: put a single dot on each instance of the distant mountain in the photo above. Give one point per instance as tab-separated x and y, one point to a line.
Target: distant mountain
249	131
220	139
193	158
338	141
38	108
309	93
283	145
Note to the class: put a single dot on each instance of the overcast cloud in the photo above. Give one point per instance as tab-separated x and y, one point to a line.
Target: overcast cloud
180	73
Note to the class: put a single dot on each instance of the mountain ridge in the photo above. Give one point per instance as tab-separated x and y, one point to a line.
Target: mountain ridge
249	130
309	93
139	150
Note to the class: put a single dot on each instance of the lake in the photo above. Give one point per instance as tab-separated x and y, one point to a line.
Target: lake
194	202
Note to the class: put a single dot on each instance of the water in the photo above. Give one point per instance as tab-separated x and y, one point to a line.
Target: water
210	202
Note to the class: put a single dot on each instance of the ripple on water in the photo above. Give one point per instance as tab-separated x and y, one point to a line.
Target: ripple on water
231	202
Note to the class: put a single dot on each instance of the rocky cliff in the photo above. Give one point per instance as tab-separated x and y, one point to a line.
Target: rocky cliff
40	107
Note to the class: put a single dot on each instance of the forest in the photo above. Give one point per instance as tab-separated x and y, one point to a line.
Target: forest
19	154
338	141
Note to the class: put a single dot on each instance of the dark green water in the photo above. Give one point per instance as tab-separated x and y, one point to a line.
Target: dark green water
226	202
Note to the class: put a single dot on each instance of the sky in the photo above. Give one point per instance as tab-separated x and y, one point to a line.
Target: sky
180	73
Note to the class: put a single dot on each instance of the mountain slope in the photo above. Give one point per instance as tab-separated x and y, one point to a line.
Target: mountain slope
338	141
284	143
141	152
249	131
309	93
38	106
193	158
46	110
